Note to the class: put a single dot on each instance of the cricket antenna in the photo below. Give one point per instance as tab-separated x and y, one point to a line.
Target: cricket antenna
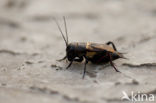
66	41
65	25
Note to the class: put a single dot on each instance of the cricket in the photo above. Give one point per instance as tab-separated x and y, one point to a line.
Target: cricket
89	52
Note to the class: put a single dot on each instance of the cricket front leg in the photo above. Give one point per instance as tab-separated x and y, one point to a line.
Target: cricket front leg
62	58
77	60
69	64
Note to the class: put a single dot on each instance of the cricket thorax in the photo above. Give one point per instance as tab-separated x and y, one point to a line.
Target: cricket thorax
75	50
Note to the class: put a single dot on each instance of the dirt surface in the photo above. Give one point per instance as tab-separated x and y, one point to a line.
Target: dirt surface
30	44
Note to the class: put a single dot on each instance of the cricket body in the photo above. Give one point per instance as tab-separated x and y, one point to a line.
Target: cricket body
90	52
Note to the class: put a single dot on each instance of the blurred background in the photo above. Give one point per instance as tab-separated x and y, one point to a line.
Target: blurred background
30	44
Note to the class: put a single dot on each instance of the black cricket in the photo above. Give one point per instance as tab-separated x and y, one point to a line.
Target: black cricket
93	52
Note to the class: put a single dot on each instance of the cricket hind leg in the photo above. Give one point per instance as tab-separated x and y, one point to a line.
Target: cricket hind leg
114	47
112	64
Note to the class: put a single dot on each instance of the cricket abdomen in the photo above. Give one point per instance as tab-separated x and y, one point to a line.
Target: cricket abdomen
100	58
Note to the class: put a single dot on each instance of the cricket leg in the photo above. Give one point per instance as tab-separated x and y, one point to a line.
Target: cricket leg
69	64
112	64
84	71
62	58
114	47
80	59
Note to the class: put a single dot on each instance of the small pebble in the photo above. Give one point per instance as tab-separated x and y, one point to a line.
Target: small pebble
53	66
29	62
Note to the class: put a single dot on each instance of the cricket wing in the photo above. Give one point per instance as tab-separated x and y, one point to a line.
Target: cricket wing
95	47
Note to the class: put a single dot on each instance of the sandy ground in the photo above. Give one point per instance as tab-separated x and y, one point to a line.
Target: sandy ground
30	44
